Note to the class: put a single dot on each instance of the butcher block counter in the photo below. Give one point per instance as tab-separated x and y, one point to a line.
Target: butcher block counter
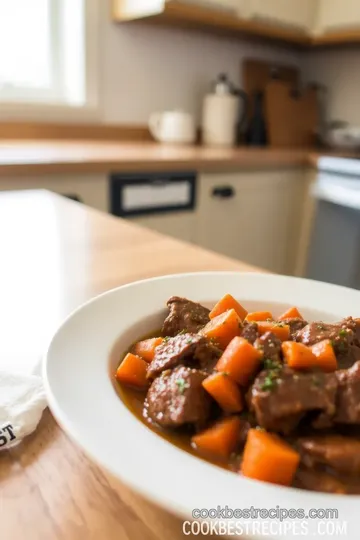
49	157
55	255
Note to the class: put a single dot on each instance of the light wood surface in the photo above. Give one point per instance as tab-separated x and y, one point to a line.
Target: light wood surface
336	38
51	130
55	255
292	119
178	13
51	157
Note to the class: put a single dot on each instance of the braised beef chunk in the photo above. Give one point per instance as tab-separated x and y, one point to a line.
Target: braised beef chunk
315	412
348	395
335	451
354	325
295	324
177	398
206	355
250	332
270	345
184	316
182	349
341	334
281	397
314	480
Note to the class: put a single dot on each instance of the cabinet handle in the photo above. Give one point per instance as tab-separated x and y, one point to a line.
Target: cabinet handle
223	192
73	197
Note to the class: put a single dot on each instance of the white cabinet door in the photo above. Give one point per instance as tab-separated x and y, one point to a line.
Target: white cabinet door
181	225
259	223
295	13
90	189
334	14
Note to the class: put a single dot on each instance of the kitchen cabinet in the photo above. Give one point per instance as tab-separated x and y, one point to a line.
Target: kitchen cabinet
231	5
196	14
253	216
181	225
89	189
337	14
294	13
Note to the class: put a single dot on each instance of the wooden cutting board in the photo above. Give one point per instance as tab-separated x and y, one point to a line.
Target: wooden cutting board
256	74
292	118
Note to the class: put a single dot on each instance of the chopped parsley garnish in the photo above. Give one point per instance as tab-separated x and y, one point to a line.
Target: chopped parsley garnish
271	364
315	380
280	323
320	326
183	331
182	385
343	332
166	339
189	341
269	383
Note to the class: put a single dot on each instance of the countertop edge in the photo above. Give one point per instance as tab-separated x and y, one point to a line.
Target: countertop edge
26	158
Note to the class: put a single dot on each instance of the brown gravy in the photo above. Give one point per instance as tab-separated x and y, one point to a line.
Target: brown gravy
307	479
134	401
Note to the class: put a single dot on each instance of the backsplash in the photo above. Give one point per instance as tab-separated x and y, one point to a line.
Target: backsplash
146	68
339	71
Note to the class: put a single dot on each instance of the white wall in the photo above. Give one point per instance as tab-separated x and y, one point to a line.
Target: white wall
339	71
147	68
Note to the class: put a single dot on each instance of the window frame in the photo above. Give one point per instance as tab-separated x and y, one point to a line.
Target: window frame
38	106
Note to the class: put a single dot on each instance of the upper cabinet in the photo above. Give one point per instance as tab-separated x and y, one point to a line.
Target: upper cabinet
303	23
337	15
295	13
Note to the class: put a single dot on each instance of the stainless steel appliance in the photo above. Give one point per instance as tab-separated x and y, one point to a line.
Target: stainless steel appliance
334	253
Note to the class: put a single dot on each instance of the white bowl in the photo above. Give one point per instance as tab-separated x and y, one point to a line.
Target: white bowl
81	394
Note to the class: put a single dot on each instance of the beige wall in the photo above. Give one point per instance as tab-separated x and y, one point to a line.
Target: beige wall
340	72
147	68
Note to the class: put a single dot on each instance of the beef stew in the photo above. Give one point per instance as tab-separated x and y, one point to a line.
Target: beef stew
276	400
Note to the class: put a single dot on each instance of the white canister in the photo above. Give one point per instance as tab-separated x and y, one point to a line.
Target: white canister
219	120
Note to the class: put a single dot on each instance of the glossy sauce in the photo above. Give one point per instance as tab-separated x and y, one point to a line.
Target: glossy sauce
312	478
134	401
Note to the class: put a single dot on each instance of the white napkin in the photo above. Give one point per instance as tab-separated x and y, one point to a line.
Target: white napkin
22	402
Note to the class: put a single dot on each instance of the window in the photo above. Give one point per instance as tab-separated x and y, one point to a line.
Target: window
44	52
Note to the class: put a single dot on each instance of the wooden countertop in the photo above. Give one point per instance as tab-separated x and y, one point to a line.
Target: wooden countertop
55	254
49	157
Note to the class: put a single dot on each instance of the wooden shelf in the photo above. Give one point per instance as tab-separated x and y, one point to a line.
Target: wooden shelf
348	36
177	13
186	15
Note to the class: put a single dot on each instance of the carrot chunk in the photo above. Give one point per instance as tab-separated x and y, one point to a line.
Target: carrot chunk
223	328
291	313
268	458
298	355
132	371
225	391
258	316
240	360
146	349
228	302
280	330
325	355
220	439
